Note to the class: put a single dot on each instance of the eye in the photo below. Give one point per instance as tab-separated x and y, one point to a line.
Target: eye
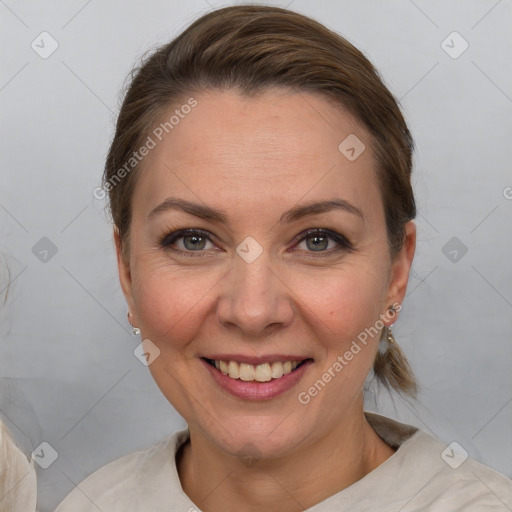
323	240
193	240
187	240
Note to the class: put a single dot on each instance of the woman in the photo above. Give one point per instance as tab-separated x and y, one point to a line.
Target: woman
259	183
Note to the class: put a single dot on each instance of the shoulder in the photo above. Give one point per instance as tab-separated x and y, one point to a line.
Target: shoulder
132	482
428	475
460	483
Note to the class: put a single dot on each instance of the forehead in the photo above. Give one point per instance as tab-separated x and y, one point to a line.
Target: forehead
279	145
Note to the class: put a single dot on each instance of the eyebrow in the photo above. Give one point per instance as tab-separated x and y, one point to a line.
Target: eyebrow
208	213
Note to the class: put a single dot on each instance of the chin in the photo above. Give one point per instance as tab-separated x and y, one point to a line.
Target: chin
254	437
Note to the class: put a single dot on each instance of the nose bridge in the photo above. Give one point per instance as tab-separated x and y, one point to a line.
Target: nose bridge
253	297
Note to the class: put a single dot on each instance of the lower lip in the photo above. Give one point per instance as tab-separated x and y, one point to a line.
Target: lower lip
254	390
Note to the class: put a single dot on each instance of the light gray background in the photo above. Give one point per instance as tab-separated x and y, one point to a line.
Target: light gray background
69	376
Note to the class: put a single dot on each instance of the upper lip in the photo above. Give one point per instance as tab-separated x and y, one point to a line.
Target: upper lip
255	360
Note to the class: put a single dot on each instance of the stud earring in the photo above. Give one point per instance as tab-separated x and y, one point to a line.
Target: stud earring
393	309
135	330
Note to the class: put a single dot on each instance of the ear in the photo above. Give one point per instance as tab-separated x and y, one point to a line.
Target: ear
125	277
401	266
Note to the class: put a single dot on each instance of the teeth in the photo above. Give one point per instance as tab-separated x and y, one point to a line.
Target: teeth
277	370
233	369
223	367
260	373
247	371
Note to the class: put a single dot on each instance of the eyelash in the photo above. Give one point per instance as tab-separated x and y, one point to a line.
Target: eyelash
169	238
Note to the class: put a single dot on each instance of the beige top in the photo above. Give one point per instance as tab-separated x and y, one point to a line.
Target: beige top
18	487
422	475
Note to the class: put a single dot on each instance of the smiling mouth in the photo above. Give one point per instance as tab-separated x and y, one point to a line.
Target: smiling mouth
264	372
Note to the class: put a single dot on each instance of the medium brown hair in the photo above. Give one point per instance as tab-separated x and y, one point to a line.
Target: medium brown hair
251	49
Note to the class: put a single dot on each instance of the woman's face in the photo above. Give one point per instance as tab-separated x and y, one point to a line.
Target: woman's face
288	262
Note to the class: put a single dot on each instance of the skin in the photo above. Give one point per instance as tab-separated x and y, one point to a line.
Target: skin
254	158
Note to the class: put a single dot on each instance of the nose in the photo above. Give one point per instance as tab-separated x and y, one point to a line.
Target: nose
254	298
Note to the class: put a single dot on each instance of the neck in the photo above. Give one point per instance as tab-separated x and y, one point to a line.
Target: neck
216	481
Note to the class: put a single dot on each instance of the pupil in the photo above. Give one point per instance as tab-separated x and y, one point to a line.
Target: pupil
319	243
197	242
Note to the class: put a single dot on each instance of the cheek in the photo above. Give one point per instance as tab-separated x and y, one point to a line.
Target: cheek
170	300
342	302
